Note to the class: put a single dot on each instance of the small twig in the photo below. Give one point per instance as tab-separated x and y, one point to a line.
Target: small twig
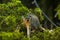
56	15
28	32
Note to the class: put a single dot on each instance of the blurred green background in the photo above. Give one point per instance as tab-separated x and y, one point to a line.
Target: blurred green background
11	12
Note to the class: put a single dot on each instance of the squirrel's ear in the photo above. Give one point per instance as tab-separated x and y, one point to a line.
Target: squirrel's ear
22	17
30	18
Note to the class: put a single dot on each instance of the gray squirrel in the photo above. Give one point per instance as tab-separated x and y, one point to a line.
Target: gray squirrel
33	21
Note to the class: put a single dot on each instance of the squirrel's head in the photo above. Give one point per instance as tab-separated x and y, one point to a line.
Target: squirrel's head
26	21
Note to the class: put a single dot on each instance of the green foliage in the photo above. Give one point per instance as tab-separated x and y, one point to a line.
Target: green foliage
11	35
34	38
58	14
58	11
46	35
10	15
8	22
39	13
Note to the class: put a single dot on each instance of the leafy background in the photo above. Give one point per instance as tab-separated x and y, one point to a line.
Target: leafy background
11	12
